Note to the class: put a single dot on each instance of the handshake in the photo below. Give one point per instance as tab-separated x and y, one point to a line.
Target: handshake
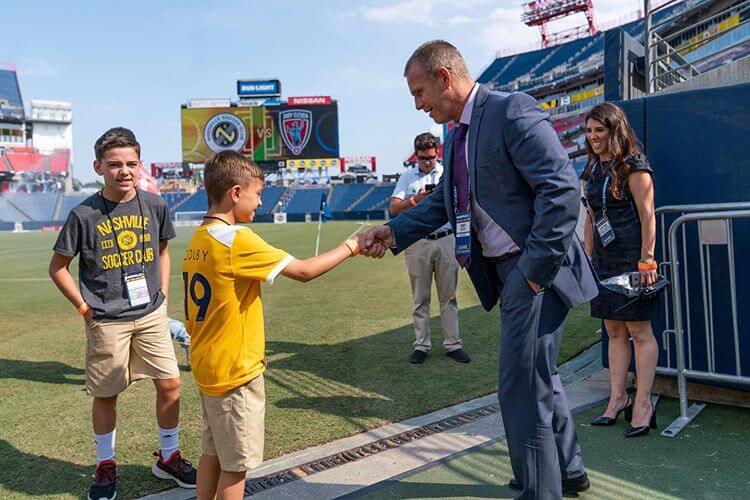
375	242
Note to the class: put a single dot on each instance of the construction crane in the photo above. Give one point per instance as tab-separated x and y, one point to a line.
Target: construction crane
540	12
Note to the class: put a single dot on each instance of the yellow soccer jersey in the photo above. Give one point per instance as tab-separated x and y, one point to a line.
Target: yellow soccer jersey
222	270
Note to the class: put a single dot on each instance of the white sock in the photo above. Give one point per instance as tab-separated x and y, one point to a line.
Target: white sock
105	446
169	441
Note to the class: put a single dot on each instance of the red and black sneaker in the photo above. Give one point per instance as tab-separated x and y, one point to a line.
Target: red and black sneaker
103	487
177	469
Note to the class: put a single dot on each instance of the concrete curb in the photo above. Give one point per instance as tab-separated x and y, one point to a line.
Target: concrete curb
585	384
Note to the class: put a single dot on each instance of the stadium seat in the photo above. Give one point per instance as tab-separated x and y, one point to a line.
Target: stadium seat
377	198
38	206
69	202
305	201
344	195
195	203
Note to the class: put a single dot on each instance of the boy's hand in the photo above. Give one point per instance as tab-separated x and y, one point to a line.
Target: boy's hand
88	315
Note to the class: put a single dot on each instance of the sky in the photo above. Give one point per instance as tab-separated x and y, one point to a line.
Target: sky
134	63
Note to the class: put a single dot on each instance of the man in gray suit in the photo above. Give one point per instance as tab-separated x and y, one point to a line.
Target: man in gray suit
512	197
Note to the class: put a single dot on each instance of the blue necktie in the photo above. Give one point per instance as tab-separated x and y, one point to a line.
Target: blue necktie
461	179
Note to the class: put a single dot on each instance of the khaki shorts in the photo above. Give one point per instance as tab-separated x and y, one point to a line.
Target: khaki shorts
233	426
119	353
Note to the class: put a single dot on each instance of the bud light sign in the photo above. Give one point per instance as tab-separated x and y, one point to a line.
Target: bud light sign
258	88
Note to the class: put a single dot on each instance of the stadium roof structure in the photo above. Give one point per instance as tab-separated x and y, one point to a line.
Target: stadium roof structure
11	103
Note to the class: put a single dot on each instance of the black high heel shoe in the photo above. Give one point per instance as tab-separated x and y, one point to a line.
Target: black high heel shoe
643	430
607	421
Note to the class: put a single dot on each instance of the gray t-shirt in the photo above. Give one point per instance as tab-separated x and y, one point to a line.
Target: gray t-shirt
114	240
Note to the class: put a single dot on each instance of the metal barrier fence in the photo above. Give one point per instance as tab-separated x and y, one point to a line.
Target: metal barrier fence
714	224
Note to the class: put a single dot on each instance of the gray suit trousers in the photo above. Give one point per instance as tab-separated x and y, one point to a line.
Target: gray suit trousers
539	428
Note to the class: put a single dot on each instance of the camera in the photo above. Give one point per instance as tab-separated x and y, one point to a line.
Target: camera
430	187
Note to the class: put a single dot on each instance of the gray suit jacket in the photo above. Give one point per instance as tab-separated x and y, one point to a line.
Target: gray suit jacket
522	177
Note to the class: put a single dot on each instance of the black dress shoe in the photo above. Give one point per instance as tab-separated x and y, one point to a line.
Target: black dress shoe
417	357
642	430
573	485
459	355
602	420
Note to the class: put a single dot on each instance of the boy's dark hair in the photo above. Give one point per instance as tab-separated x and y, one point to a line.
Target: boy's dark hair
425	141
117	137
226	169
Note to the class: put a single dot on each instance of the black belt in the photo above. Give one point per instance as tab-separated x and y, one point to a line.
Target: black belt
439	234
506	256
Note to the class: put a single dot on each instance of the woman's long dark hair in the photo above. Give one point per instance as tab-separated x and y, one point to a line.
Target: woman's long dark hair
622	144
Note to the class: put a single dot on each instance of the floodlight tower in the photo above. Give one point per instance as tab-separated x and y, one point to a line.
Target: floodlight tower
540	12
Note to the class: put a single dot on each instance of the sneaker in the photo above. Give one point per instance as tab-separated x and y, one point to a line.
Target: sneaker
417	357
103	487
177	469
459	355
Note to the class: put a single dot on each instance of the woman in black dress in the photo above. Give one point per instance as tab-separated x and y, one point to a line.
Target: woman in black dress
619	236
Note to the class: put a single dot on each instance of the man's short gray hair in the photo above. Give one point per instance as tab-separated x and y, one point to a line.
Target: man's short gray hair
436	54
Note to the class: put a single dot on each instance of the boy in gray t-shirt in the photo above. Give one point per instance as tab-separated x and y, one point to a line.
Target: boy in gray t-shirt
120	235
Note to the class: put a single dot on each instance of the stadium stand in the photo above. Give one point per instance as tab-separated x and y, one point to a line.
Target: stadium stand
173	199
198	202
9	213
69	202
59	161
376	199
37	206
305	201
568	78
10	93
344	195
26	160
269	199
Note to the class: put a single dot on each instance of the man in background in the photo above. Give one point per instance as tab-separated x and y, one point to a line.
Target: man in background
432	255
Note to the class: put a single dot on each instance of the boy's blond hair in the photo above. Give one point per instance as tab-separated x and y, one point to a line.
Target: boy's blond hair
226	169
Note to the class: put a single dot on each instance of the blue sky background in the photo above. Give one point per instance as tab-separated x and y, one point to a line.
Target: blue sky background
133	63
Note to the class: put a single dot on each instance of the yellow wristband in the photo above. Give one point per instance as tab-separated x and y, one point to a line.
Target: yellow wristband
413	202
353	246
83	308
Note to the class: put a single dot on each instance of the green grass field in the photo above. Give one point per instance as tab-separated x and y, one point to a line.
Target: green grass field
337	351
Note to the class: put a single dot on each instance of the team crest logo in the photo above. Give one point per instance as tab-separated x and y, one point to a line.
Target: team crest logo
295	126
126	240
225	132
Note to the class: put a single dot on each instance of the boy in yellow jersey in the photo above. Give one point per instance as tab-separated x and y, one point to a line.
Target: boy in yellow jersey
223	267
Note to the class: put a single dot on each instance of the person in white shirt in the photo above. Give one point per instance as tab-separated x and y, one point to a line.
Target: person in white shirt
433	255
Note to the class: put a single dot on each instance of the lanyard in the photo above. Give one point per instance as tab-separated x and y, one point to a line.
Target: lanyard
604	187
217	218
143	229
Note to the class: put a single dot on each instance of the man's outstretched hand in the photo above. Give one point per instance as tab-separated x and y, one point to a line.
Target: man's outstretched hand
377	241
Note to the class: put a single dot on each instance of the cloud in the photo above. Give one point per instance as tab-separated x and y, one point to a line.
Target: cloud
423	12
458	20
410	11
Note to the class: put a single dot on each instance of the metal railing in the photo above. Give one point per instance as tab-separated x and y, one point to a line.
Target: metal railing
666	257
715	227
665	64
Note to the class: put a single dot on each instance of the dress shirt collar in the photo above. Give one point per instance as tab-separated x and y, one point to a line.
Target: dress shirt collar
469	106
